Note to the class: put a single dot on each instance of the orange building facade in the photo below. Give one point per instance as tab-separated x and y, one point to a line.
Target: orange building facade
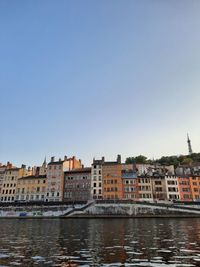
185	190
112	180
195	187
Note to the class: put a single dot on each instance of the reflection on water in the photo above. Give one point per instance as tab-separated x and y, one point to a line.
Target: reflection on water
100	242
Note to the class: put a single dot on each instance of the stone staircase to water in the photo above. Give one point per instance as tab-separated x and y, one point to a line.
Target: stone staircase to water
78	210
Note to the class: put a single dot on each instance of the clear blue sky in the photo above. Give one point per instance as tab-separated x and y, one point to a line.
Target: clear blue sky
94	78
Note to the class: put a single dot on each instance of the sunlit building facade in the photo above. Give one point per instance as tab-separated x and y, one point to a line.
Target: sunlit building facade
55	177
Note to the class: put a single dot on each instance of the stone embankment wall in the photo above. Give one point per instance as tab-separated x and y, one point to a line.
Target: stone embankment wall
136	210
93	209
36	211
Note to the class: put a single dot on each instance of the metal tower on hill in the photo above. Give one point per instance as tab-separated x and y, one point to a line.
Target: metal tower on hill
189	145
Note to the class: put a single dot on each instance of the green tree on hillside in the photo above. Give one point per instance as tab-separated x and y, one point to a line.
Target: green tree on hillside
137	160
166	160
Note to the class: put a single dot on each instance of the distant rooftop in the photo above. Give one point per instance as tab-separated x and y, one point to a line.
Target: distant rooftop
80	170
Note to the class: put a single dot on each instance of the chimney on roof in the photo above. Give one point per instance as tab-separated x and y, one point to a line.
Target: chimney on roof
119	159
103	159
9	165
60	159
23	166
65	157
52	159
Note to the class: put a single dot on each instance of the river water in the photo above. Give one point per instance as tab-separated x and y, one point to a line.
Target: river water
100	242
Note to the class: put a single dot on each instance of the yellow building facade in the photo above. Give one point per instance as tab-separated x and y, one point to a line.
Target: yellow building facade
10	180
31	188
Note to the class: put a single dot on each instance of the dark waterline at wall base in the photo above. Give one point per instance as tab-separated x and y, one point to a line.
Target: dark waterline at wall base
103	217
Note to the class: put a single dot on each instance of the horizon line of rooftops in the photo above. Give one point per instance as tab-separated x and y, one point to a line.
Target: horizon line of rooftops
101	161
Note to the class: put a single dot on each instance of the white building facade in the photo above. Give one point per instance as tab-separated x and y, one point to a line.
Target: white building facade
96	179
172	188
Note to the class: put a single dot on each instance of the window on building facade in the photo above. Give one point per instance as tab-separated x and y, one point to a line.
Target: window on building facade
158	189
158	183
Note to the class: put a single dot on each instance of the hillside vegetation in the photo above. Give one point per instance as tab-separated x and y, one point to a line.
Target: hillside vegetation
166	160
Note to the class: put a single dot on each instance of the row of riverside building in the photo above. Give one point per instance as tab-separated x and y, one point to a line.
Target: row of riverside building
68	180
